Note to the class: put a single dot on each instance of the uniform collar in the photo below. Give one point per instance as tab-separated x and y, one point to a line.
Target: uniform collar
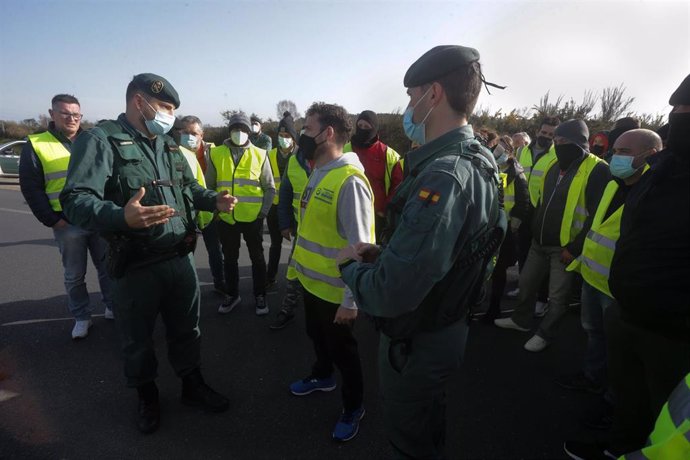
426	151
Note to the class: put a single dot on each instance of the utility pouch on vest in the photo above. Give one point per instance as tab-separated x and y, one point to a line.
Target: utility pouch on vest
187	245
398	353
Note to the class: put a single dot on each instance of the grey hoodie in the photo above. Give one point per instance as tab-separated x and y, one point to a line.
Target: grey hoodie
355	216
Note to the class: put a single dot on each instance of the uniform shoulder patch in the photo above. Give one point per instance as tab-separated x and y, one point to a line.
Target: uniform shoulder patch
430	197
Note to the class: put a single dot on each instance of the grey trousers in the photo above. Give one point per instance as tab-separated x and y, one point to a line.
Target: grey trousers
540	261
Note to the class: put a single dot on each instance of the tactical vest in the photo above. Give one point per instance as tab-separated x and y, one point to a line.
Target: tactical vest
318	241
451	299
203	218
243	181
536	172
392	158
54	158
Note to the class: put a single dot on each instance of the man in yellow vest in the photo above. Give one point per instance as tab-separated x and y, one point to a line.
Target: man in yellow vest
536	158
279	158
198	155
565	206
42	172
336	210
244	171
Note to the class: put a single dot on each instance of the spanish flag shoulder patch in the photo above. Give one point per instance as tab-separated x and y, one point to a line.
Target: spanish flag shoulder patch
428	196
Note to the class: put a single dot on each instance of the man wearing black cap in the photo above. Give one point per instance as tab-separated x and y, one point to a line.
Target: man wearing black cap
257	136
129	181
566	203
445	223
242	169
649	338
381	164
279	158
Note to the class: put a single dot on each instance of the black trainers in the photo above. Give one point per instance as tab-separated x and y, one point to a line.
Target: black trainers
282	320
261	305
228	304
149	410
195	392
579	382
587	451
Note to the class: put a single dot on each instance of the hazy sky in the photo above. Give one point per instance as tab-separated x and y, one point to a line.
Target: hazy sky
229	54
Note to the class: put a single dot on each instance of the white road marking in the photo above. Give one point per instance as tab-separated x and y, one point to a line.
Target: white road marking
18	211
42	320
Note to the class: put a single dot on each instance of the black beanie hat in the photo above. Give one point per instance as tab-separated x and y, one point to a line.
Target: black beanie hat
287	125
371	118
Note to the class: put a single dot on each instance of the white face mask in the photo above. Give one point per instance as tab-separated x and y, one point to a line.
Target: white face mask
189	140
161	123
239	137
285	142
256	127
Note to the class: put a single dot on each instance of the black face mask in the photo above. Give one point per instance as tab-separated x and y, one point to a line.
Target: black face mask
597	150
679	134
364	137
566	154
308	145
544	142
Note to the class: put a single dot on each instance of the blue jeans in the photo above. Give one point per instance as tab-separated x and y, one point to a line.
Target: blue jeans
74	243
594	304
215	256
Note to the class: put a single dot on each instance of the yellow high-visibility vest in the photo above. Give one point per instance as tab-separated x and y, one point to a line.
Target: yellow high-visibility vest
536	172
242	181
203	218
273	158
392	159
298	180
318	241
670	439
508	194
54	158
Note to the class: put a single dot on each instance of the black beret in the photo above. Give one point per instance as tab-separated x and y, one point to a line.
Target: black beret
437	62
681	96
156	86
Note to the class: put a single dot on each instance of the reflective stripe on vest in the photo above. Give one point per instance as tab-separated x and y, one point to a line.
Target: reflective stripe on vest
273	158
575	212
508	194
670	439
318	240
54	158
536	172
243	181
392	158
202	217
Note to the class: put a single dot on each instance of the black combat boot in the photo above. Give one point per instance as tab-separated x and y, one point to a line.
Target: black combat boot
195	392
149	408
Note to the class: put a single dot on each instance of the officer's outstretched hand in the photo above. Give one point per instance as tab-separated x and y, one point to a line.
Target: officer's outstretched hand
349	252
225	202
138	216
345	315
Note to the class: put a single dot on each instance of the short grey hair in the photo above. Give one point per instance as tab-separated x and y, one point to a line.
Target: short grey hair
524	136
190	120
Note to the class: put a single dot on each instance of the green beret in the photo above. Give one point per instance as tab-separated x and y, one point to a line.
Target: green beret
156	86
437	62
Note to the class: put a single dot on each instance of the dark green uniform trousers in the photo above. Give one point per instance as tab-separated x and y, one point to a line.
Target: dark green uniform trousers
414	398
170	288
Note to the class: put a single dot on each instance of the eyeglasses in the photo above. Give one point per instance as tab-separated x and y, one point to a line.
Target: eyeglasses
73	116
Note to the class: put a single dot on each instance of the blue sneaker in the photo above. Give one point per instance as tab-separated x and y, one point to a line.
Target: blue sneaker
310	385
348	425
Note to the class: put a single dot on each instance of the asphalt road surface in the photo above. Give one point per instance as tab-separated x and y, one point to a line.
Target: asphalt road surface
61	399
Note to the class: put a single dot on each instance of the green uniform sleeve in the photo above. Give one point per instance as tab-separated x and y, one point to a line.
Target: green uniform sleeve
90	170
421	251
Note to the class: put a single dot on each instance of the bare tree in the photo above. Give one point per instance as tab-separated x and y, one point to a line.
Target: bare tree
227	114
287	105
614	103
545	108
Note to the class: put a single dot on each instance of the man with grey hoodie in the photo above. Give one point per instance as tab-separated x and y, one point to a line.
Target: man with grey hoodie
336	210
566	204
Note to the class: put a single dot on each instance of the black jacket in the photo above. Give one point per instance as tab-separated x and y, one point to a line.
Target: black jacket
651	266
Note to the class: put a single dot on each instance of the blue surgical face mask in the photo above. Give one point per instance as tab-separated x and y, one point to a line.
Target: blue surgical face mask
621	166
189	140
161	123
416	132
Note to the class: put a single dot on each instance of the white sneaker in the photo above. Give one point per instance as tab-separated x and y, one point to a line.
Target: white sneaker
81	329
536	344
228	304
261	306
514	293
508	323
540	309
109	313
